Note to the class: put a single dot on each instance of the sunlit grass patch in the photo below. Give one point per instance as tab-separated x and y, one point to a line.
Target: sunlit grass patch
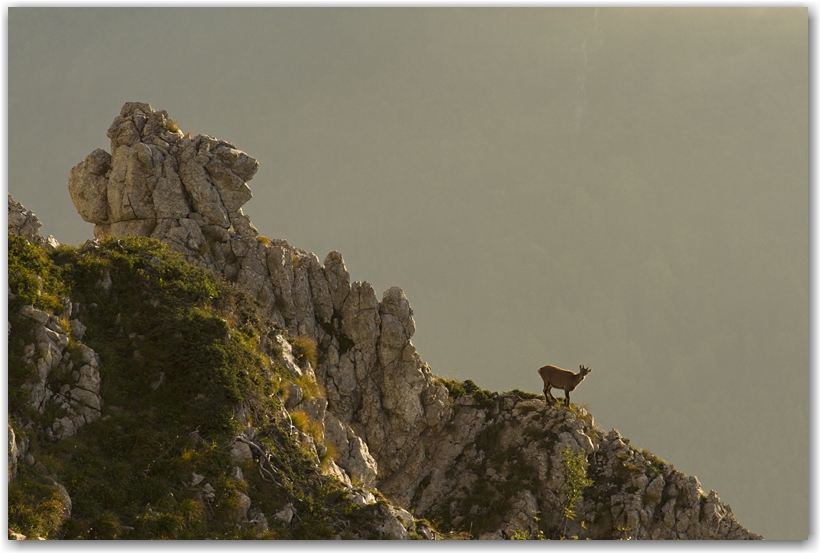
305	350
33	276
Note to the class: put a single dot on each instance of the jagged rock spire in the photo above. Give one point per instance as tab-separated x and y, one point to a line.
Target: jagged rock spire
158	182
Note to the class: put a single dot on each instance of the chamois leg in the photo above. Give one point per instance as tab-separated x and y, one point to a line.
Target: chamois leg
547	395
566	397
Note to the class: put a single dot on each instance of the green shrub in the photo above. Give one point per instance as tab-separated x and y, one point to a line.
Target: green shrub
33	276
655	463
484	399
455	388
523	395
574	470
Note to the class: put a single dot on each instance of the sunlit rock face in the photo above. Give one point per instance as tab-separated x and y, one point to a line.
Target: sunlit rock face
156	179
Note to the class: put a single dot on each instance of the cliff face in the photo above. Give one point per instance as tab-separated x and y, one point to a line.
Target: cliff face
493	465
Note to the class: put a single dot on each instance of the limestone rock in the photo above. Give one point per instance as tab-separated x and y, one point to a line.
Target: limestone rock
285	515
258	520
77	329
79	400
241	453
361	321
294	394
337	472
35	315
353	453
361	497
338	279
14	454
392	528
208	492
287	358
88	186
237	513
26	224
66	500
320	290
237	474
157	179
524	508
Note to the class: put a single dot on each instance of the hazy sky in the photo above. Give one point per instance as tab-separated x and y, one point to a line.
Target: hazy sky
622	188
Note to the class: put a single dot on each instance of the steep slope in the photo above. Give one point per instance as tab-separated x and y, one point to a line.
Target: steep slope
484	464
147	400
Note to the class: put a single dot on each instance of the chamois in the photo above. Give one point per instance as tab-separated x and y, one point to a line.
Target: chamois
561	379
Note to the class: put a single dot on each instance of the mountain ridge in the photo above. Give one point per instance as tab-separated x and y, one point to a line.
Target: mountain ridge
493	466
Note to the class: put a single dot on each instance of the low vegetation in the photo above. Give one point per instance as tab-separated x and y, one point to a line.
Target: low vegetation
305	350
148	313
34	278
574	467
484	399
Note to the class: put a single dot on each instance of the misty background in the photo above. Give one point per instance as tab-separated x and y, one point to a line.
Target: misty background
622	188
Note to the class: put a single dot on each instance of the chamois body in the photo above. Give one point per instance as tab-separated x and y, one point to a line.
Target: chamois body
561	379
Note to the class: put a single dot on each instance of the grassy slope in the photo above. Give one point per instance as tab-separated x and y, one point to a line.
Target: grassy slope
126	473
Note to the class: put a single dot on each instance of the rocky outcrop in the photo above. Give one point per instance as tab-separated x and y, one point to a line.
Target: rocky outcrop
158	181
352	452
66	380
15	453
499	470
65	373
490	461
27	224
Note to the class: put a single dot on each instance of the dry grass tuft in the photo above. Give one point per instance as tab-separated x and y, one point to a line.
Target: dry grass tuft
305	350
